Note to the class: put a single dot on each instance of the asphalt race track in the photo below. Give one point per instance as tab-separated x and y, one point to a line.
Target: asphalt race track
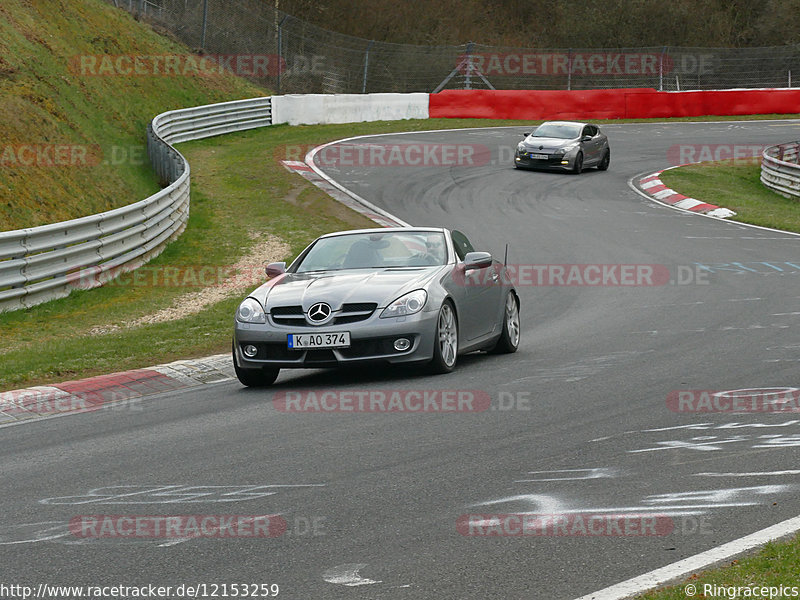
580	422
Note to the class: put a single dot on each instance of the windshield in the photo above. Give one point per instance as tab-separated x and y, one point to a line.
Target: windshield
375	250
558	130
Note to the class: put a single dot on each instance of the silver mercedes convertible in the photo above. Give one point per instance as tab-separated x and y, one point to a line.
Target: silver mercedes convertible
393	295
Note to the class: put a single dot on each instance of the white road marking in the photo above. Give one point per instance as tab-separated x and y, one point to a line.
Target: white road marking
347	575
570	474
173	542
751	474
687	566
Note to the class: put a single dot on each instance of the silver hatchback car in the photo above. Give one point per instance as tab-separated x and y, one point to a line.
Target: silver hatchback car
564	146
393	295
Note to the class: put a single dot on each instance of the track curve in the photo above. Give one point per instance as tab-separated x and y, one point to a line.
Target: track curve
591	433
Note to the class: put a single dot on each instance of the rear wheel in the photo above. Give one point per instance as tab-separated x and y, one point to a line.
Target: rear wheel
509	339
255	377
603	166
445	346
578	164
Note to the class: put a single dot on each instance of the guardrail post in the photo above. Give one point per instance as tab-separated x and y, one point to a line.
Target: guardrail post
780	169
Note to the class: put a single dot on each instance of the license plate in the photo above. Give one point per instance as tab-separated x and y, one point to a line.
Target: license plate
340	339
539	156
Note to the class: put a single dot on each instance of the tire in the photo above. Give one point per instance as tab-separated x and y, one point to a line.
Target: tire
578	168
606	160
509	338
445	344
255	377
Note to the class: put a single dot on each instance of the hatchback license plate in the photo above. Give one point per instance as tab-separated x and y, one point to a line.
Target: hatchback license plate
539	156
298	341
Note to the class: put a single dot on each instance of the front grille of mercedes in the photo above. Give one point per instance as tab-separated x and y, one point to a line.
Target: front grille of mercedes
350	313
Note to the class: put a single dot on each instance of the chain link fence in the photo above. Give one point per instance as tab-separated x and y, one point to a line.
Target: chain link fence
287	55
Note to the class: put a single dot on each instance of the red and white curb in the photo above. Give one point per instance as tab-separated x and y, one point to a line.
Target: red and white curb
656	190
106	392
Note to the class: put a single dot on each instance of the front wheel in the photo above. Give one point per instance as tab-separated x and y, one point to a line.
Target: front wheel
603	166
578	164
255	377
509	339
445	346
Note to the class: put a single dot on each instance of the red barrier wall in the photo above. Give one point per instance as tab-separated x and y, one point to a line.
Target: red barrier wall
637	103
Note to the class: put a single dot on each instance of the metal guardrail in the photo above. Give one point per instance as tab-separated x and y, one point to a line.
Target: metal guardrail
780	169
48	262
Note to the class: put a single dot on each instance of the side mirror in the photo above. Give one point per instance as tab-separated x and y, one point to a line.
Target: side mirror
587	138
477	260
275	269
527	133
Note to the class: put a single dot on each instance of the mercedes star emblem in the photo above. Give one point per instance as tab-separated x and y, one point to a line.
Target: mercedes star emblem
319	312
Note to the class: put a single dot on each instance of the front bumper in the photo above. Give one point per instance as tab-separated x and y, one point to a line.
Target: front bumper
560	162
370	341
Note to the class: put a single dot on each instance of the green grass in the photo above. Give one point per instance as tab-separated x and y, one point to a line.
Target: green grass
737	187
239	188
45	99
778	563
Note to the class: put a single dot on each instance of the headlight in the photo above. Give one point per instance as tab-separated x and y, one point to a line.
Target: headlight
571	147
250	311
406	305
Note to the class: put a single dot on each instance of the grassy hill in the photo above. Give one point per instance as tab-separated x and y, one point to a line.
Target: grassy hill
72	143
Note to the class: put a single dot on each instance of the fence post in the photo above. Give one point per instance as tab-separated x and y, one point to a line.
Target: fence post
280	52
468	78
366	66
205	21
661	70
569	69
